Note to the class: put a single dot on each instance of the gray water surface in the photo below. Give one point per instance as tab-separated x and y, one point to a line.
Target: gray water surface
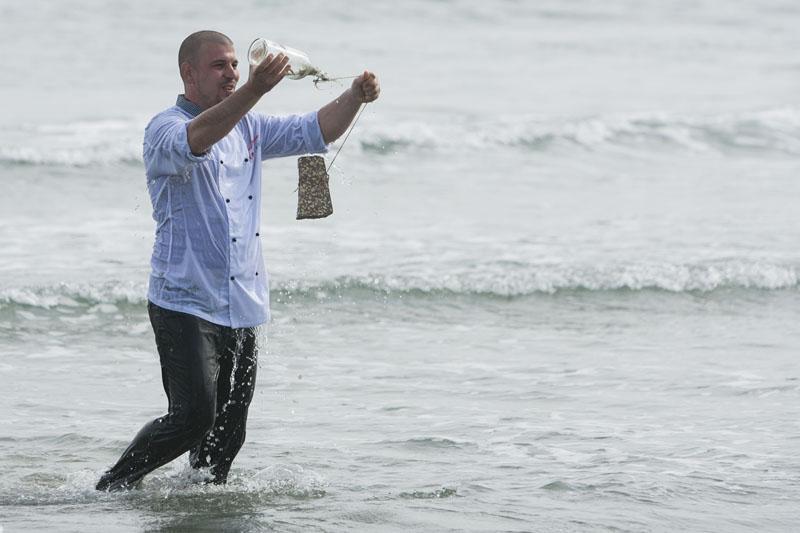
558	291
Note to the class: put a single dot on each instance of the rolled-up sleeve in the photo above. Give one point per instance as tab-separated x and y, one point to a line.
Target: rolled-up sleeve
166	147
290	135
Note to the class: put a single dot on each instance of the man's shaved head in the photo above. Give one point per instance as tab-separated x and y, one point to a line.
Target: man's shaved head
190	46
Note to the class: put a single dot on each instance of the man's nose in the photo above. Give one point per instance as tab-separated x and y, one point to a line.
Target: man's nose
230	71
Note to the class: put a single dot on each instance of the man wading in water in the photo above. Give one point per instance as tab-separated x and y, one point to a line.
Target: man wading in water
208	288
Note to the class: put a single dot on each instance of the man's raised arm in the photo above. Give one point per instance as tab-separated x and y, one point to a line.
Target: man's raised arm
336	116
216	122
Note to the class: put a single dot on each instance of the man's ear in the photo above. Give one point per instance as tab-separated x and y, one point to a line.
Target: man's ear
187	74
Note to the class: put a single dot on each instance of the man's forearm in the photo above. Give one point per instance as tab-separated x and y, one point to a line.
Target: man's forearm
336	116
216	122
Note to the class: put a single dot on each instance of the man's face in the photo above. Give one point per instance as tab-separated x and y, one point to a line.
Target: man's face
214	73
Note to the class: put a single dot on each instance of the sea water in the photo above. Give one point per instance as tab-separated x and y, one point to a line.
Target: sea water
559	290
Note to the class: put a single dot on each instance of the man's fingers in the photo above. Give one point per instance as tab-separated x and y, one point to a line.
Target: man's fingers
271	71
277	64
272	64
369	80
368	86
371	88
261	67
265	63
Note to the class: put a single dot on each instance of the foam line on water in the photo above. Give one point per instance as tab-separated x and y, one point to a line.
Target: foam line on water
766	131
491	279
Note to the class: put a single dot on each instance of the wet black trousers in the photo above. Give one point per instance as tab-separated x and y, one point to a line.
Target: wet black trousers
209	374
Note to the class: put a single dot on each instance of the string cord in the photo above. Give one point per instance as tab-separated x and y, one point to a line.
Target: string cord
323	78
353	125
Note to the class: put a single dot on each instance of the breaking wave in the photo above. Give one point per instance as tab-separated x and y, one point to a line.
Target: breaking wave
494	280
519	279
76	144
772	131
769	131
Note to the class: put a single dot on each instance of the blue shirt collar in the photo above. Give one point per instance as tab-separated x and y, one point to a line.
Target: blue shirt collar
190	107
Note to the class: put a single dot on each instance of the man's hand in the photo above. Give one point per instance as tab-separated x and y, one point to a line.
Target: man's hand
268	73
366	87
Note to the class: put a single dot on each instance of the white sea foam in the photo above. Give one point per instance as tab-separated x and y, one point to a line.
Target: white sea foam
526	279
80	143
286	479
491	279
772	131
178	480
74	295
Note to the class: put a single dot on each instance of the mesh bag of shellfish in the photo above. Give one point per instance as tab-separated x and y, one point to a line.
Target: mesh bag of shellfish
313	194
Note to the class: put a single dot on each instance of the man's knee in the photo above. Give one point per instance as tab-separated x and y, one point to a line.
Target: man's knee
202	420
195	421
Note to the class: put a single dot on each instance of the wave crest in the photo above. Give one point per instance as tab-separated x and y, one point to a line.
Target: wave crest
74	295
770	131
488	280
76	144
527	280
774	131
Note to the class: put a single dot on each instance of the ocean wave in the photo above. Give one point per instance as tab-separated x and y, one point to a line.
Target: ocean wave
773	131
769	131
76	144
493	280
74	295
518	280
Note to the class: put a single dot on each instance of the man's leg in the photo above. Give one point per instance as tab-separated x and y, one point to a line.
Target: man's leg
188	348
235	386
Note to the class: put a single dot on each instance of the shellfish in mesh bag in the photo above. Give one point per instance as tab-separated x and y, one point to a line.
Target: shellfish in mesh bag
313	194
